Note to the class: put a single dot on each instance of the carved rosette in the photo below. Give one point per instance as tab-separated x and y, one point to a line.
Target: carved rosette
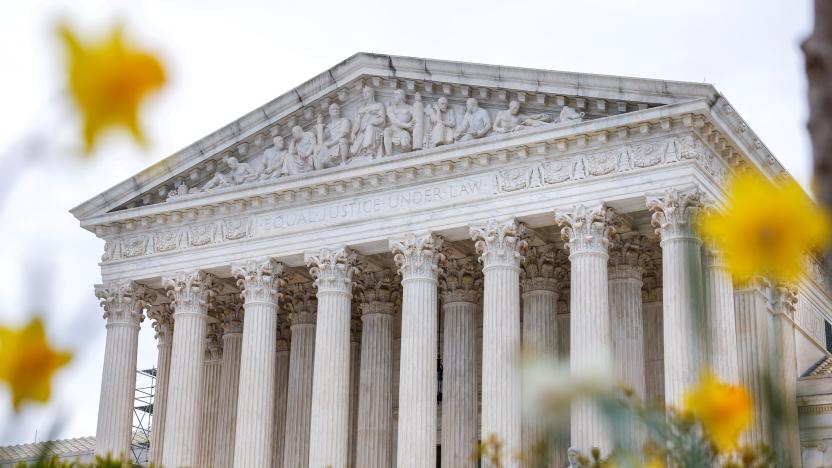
301	303
190	291
378	292
500	243
544	269
461	281
674	212
587	230
162	317
259	280
418	256
627	256
785	299
333	269
124	301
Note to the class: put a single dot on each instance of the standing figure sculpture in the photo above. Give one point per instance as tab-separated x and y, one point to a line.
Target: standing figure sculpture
511	120
333	139
442	122
402	120
240	174
301	152
273	159
572	455
476	123
367	134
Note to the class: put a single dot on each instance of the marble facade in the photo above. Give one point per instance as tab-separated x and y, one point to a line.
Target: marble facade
308	267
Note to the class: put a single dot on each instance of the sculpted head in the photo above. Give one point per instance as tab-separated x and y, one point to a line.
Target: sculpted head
514	107
398	96
297	132
572	456
232	162
278	142
471	104
334	110
442	103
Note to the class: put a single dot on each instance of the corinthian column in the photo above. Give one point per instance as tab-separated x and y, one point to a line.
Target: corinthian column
586	232
753	340
210	396
500	244
355	369
162	317
460	286
329	433
719	307
232	345
375	398
418	257
787	444
123	303
540	328
682	301
259	281
626	258
302	306
281	383
190	292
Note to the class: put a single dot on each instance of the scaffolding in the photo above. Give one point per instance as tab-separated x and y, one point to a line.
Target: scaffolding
143	414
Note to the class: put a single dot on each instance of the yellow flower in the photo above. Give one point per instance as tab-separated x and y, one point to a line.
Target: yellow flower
724	410
766	228
27	362
654	463
108	80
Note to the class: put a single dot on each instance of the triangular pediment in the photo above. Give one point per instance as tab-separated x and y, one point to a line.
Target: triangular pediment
377	106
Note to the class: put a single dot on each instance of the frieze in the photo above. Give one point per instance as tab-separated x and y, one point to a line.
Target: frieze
544	173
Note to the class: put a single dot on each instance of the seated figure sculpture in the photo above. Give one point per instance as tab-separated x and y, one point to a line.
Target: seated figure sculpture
569	115
367	134
301	151
511	120
442	121
240	174
476	123
401	119
333	139
273	160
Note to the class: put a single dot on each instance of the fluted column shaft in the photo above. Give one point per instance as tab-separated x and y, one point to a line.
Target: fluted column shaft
329	430
232	346
299	396
719	307
164	332
253	443
587	234
355	369
210	403
418	258
787	445
123	310
281	389
500	244
752	319
190	292
375	398
653	352
682	299
459	387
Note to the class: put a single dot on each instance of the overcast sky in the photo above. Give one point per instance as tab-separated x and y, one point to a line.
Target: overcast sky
227	58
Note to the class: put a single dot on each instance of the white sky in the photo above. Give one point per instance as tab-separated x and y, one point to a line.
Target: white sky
227	58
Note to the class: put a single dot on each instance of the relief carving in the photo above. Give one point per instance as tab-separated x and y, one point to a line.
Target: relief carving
476	123
368	133
442	121
402	120
556	171
333	139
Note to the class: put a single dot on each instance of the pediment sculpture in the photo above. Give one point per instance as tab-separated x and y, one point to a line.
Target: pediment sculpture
375	131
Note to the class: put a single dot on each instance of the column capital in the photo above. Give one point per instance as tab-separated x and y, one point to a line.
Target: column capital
124	301
259	280
628	257
784	300
712	257
301	303
500	242
332	269
418	255
460	281
191	290
674	212
231	314
587	230
377	292
162	317
543	269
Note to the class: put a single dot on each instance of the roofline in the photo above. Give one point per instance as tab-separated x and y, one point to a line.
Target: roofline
391	66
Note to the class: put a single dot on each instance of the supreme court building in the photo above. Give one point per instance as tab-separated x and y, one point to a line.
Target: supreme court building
346	275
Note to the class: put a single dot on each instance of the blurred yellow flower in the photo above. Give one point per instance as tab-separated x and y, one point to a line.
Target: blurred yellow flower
654	463
766	228
724	410
108	80
27	362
